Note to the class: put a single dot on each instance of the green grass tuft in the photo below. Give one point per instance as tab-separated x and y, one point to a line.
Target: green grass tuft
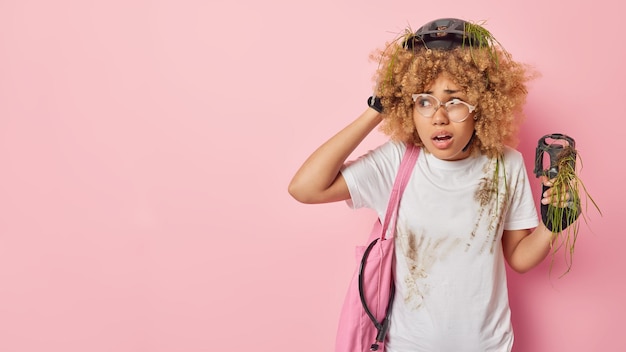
567	182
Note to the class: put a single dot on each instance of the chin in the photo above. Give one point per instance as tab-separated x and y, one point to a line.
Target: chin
451	155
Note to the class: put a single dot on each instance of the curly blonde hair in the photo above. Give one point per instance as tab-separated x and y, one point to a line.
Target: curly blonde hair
491	80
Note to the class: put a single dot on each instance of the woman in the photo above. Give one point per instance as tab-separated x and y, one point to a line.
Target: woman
450	89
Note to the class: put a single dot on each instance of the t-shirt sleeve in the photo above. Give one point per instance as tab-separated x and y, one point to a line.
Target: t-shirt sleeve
370	177
523	213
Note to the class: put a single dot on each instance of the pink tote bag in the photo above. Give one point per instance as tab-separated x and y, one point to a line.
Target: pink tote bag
364	319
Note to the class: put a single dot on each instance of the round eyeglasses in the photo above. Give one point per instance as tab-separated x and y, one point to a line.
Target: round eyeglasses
456	109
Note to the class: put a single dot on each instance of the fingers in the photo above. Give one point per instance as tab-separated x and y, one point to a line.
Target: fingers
561	197
559	200
547	182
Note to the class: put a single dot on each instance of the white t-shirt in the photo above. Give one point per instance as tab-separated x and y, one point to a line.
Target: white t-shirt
451	290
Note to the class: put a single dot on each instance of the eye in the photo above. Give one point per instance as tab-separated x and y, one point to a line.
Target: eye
455	101
423	102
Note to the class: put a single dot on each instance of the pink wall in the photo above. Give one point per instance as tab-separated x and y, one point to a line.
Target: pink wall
146	148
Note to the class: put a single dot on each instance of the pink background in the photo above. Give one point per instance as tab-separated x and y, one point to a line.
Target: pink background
146	148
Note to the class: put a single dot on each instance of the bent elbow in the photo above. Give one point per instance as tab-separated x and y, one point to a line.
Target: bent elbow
520	269
298	193
310	193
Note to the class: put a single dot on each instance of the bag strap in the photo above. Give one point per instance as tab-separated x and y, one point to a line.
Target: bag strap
404	173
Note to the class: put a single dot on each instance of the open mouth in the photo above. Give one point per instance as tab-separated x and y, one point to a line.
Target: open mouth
441	138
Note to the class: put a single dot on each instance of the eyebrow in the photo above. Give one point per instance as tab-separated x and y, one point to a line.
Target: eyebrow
447	91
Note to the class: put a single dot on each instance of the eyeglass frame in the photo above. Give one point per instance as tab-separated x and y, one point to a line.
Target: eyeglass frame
471	107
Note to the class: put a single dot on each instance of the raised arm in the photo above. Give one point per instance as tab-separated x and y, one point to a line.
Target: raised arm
318	180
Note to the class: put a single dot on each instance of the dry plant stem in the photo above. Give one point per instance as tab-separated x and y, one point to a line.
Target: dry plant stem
567	189
478	38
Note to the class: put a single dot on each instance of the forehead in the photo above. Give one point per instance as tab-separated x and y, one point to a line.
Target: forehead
443	84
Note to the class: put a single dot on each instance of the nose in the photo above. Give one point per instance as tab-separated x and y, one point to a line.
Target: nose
440	117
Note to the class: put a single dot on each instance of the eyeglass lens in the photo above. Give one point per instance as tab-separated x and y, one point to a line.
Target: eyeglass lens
427	105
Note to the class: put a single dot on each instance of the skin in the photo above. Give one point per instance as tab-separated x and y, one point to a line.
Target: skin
319	179
459	133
